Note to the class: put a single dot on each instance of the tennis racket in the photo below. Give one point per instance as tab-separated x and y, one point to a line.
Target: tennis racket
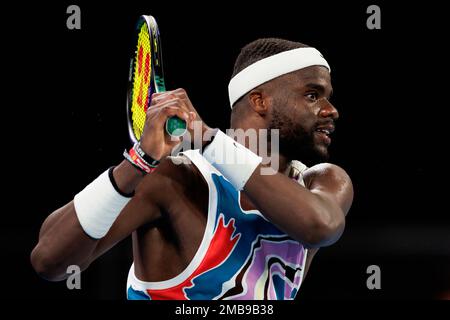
146	77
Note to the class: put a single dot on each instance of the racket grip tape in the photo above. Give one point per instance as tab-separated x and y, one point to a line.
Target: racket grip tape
175	126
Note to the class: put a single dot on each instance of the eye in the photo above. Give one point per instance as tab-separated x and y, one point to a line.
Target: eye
313	96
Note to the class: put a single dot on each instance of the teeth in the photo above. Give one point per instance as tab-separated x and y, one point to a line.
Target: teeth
324	131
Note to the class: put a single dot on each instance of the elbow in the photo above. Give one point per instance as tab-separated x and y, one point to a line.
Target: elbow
325	231
45	265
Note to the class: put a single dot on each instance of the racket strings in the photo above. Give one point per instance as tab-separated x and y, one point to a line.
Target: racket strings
141	81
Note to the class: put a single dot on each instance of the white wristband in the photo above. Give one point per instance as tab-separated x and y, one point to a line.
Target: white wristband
98	205
232	159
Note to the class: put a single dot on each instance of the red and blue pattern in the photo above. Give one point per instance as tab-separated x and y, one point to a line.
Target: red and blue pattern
248	258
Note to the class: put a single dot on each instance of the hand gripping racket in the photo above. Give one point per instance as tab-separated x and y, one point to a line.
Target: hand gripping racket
145	78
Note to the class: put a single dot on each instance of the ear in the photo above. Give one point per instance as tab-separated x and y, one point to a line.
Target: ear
258	102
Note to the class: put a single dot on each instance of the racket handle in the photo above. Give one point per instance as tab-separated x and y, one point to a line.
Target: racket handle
175	126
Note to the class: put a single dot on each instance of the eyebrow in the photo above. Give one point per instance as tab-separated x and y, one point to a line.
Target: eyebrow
318	87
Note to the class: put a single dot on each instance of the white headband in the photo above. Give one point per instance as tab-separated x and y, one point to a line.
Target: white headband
272	67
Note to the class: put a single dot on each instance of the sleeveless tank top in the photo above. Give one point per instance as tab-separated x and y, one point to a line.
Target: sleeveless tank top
242	256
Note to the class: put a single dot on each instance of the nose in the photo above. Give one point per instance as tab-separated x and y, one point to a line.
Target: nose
327	110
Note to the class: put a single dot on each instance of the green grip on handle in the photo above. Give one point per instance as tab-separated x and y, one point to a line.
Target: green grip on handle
175	126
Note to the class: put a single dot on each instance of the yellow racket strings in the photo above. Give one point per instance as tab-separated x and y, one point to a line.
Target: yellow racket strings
141	83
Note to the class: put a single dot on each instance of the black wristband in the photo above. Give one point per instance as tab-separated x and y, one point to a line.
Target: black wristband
116	187
150	161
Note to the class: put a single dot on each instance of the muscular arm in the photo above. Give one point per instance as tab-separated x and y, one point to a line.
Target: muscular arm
63	242
313	215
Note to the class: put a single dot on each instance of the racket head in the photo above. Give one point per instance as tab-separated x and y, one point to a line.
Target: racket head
146	74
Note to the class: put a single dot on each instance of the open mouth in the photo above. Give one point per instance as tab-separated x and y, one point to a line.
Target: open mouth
324	133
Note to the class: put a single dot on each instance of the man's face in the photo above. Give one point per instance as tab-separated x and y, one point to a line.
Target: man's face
303	114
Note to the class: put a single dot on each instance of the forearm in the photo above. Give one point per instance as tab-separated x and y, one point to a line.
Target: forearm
313	217
294	209
62	240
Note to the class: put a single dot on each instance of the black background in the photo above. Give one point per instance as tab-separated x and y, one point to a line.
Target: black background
64	124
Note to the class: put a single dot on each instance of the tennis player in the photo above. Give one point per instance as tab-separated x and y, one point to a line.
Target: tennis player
211	222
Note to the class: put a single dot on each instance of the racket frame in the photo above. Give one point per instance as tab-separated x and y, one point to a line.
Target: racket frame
157	83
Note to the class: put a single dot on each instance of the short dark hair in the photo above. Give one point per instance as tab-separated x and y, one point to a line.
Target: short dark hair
262	48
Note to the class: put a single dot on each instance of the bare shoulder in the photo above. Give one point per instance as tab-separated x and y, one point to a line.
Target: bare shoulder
332	180
327	171
172	174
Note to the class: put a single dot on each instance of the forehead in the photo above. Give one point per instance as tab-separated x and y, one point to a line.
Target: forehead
313	75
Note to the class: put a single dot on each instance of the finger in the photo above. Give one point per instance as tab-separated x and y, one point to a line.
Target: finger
163	98
168	112
172	102
160	97
192	117
182	94
158	119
